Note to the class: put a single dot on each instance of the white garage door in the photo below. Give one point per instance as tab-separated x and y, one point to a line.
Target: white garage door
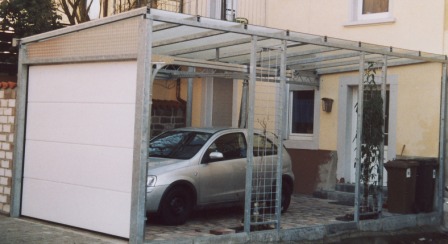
79	145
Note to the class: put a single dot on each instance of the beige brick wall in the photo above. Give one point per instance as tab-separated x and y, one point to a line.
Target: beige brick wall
7	118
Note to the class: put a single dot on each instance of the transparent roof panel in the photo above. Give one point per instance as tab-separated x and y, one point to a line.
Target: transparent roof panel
200	40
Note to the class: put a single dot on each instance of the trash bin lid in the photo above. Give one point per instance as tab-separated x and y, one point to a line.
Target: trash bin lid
427	161
401	163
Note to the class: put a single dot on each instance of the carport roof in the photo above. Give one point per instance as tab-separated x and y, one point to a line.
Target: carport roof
223	48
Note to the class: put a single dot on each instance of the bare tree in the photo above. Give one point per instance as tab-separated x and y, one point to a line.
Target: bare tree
77	11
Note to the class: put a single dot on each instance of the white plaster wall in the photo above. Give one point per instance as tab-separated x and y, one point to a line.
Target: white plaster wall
418	25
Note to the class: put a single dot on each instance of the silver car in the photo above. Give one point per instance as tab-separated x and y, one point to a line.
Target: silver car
192	168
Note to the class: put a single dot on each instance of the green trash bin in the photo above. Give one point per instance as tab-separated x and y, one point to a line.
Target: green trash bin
401	175
425	184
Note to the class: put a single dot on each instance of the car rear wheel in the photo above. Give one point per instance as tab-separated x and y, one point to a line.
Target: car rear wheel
286	197
176	206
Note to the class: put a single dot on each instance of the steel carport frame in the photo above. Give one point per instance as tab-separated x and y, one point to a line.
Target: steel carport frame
215	48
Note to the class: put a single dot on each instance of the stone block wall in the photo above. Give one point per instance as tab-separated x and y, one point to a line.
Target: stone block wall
166	115
7	119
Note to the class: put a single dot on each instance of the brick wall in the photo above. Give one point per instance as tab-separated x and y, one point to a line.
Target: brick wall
7	118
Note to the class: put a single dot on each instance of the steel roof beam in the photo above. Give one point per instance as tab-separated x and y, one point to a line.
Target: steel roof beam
334	64
302	53
322	58
164	26
211	46
355	67
187	38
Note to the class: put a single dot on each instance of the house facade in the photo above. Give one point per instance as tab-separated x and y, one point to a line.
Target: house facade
413	91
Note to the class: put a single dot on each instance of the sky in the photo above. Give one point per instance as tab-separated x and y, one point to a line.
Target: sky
95	9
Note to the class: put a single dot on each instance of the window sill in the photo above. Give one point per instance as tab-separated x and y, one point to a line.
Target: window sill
388	20
301	144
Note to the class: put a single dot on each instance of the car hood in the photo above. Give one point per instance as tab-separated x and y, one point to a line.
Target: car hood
161	165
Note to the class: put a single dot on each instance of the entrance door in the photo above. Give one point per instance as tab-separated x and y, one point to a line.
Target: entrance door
354	101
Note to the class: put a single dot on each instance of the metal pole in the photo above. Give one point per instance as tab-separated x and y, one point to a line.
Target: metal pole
250	132
381	157
141	130
280	124
190	98
442	144
19	137
359	134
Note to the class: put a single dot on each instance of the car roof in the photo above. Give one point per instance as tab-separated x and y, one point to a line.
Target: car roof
211	130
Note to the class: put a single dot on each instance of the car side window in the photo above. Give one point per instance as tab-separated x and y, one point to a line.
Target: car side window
231	146
263	146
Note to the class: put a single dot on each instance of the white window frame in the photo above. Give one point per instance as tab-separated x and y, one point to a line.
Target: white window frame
358	18
298	140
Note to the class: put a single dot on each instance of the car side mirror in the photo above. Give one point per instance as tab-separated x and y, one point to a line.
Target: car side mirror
216	155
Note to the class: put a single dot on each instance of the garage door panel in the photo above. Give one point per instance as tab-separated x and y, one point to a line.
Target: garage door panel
92	124
81	83
79	145
80	164
94	209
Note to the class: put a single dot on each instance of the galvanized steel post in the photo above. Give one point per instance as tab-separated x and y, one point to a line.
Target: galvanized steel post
381	156
250	132
19	137
141	132
359	134
280	130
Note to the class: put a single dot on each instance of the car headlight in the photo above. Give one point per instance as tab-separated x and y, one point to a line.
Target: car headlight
151	181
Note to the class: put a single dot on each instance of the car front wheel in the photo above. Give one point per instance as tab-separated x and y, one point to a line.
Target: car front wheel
176	206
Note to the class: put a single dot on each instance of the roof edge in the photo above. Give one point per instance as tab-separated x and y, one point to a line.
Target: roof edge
86	25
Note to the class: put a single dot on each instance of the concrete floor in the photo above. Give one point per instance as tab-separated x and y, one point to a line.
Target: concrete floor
307	219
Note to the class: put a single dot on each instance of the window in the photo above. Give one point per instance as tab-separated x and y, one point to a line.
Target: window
375	6
303	120
263	146
177	144
302	114
232	146
371	11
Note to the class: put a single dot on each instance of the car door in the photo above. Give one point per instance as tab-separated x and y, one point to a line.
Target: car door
222	174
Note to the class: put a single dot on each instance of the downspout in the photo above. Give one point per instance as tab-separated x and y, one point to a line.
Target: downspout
183	103
442	144
243	106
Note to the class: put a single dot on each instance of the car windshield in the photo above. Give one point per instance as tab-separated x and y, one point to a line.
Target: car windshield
177	144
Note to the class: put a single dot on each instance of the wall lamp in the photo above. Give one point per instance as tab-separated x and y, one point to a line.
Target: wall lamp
327	103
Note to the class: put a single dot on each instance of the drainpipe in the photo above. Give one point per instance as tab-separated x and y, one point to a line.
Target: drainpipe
442	144
189	113
243	107
180	100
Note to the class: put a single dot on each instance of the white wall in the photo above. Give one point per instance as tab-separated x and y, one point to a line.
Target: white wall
417	25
